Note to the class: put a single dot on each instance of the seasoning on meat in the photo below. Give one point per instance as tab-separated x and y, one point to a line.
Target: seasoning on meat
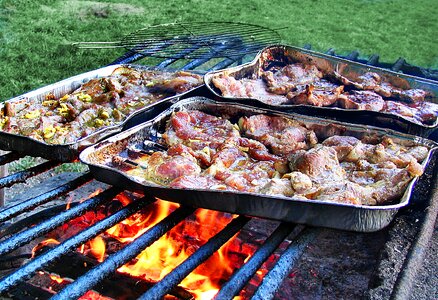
304	84
99	103
276	156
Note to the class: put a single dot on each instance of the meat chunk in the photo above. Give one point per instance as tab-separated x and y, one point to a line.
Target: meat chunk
278	187
198	130
372	81
321	164
363	100
317	93
173	83
341	192
247	88
234	166
286	79
198	182
283	136
163	168
341	144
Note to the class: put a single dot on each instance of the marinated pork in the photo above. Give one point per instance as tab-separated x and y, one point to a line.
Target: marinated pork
276	156
99	103
304	84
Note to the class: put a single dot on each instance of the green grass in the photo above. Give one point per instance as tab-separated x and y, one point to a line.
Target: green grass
36	36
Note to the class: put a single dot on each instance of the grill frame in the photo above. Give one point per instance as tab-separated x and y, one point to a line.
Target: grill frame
271	282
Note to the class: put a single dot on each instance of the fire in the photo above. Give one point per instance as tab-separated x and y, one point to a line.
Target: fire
92	295
42	245
56	278
163	256
97	248
134	226
172	249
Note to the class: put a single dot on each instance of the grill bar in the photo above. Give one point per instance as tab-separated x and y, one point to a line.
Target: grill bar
241	277
180	55
12	179
132	56
206	57
27	205
114	261
14	227
26	236
9	157
284	265
223	64
39	262
161	288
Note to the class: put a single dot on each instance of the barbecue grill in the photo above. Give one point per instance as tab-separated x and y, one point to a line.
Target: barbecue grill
289	252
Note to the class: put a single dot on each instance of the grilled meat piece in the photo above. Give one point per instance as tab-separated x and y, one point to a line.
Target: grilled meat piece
426	113
320	163
421	113
374	82
174	83
235	168
341	144
198	130
97	103
246	88
363	100
283	136
282	81
318	93
162	168
198	182
278	187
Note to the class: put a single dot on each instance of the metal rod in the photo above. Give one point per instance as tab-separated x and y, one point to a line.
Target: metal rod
272	281
26	271
204	58
241	277
32	219
160	289
418	249
26	236
23	175
116	260
178	56
223	64
11	156
132	56
28	204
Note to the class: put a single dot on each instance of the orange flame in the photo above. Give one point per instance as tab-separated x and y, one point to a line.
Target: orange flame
97	248
172	249
92	295
56	278
43	244
134	226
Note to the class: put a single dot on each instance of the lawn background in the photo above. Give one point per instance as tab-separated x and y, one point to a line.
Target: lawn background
36	36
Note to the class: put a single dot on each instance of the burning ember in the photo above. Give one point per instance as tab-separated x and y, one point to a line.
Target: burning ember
156	261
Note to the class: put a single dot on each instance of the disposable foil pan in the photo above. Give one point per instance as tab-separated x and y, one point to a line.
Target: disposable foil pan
281	55
318	213
69	151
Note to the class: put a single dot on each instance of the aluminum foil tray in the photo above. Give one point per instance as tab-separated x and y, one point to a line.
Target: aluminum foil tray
69	151
278	55
317	213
